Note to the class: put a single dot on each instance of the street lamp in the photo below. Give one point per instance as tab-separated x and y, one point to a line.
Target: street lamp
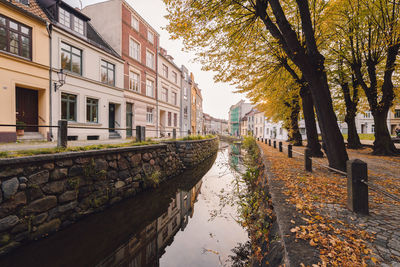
61	80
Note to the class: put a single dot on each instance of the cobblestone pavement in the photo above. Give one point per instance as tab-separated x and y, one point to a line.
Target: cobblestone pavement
384	218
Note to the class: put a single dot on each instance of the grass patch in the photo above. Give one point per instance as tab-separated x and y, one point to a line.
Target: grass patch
54	150
362	136
196	137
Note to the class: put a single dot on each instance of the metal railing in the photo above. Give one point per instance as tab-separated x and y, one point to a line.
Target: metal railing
356	173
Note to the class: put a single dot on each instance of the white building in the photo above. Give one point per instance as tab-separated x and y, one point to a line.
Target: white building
274	130
169	94
365	122
92	95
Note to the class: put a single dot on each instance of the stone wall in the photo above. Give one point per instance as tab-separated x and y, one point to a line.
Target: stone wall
41	194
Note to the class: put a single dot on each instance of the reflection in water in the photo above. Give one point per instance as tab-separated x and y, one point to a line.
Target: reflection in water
144	230
149	244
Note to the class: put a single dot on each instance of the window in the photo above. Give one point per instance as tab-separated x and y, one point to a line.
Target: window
280	131
149	59
107	73
150	37
134	81
175	119
25	2
367	114
68	107
373	128
174	98
71	58
175	77
149	115
165	71
92	110
134	49
149	88
397	113
78	25
134	23
185	91
64	17
164	94
169	118
185	111
15	38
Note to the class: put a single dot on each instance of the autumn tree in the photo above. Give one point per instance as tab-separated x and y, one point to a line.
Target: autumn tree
370	32
214	24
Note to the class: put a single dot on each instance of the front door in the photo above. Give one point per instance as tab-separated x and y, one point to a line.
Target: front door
111	117
129	119
27	107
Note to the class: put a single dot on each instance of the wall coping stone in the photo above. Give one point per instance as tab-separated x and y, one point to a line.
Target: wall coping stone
69	155
189	141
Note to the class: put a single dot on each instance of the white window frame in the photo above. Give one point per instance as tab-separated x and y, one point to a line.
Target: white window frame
150	115
132	51
135	22
150	36
165	70
132	81
175	77
79	25
62	13
148	63
162	94
147	87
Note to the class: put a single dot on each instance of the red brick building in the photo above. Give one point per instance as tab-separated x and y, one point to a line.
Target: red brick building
137	42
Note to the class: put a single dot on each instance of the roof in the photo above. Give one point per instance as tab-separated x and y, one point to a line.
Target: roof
92	36
32	9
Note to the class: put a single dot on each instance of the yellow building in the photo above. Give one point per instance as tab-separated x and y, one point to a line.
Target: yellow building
24	68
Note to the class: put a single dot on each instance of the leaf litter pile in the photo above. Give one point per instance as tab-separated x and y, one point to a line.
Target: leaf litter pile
339	243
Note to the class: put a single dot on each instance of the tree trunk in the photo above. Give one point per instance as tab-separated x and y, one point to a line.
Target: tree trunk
383	144
294	132
353	140
309	119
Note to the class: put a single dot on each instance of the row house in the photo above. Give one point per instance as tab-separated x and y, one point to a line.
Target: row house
24	69
169	94
185	123
196	107
236	113
259	121
137	42
365	121
93	94
213	125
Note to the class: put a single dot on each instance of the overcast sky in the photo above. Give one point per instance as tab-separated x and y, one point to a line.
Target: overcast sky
217	97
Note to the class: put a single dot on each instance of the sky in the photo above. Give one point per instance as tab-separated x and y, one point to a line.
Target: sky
217	97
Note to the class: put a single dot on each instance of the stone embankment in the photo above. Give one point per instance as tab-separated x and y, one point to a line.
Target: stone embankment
42	194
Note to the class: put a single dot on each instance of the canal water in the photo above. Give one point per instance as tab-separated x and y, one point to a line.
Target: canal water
189	221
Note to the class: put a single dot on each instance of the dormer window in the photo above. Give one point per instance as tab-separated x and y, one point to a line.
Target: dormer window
78	25
70	21
64	17
25	2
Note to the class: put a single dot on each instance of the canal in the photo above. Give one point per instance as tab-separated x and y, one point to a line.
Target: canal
189	221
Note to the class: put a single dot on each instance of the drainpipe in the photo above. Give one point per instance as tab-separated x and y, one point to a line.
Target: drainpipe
49	28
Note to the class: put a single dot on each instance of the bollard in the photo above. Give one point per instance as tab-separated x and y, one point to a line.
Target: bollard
62	140
189	133
266	141
289	152
280	146
198	132
307	160
174	134
274	143
269	142
262	139
138	133
357	191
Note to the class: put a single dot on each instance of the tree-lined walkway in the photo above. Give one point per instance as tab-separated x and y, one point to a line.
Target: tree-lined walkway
342	237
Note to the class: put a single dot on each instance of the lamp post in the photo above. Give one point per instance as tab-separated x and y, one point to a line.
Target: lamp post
61	80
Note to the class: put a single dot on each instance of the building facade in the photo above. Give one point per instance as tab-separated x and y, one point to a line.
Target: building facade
236	113
259	121
24	69
93	93
196	107
199	111
137	42
365	121
185	122
169	94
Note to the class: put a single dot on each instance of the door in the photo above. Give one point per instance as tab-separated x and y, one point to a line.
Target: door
111	117
129	119
27	107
